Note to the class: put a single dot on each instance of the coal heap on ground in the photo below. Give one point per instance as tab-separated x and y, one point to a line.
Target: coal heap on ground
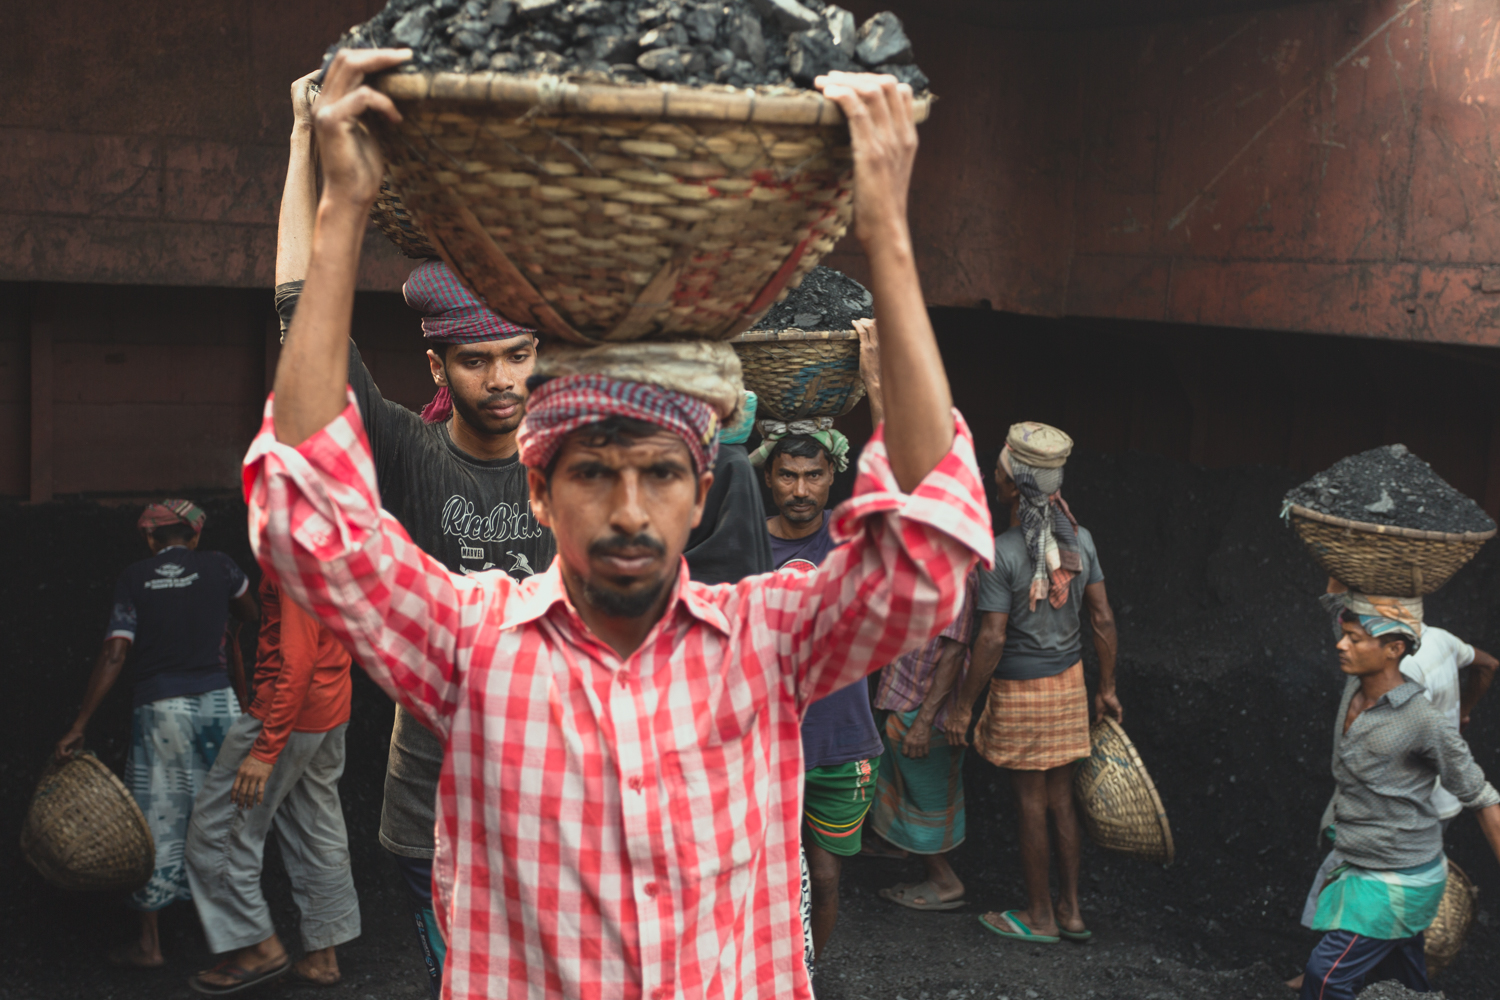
1390	485
738	43
826	300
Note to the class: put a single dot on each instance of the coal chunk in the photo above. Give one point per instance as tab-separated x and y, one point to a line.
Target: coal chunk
1391	486
882	40
740	43
812	53
789	14
826	300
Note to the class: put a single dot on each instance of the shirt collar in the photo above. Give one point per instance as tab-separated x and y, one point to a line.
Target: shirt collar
1406	692
549	591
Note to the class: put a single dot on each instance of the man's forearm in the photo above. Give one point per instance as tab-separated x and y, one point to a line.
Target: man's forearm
314	367
299	207
949	661
913	381
1106	644
1489	822
987	653
106	671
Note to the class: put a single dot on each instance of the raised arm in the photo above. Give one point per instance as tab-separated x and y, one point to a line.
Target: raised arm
299	196
912	380
314	367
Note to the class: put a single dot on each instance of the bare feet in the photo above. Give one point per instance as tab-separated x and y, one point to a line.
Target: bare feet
321	968
1296	982
132	956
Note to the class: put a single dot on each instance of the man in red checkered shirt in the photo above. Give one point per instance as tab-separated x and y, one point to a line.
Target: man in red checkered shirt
619	804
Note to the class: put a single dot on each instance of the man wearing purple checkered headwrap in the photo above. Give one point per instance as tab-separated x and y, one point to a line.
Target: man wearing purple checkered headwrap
451	477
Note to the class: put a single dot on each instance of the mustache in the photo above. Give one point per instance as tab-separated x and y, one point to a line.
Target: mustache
618	544
502	399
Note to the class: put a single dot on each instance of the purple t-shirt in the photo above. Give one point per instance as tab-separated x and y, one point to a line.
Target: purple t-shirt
839	728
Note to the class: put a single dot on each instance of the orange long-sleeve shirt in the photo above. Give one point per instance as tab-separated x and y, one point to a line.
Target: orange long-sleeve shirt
302	681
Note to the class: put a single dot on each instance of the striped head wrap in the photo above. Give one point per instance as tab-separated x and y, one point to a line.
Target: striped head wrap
451	314
1380	615
560	406
159	515
1034	456
820	429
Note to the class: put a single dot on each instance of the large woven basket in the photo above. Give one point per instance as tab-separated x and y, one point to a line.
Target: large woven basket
796	374
617	212
1379	559
84	830
1445	938
1118	799
391	217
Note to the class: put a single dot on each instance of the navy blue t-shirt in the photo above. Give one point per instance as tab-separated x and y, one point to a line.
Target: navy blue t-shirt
839	728
173	608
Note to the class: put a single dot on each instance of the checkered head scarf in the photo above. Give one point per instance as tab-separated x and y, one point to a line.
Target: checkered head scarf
1034	456
159	515
560	406
451	314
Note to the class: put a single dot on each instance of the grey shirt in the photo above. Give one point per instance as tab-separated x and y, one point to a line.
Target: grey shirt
1048	640
1384	767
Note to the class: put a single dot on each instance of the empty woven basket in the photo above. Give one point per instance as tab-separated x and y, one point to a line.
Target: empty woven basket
1118	799
1455	916
614	212
84	830
797	374
1379	559
391	217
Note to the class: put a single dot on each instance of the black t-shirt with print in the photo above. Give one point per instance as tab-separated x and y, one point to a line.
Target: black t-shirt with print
173	607
470	515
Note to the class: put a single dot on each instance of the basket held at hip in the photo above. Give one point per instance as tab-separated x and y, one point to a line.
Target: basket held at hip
1121	809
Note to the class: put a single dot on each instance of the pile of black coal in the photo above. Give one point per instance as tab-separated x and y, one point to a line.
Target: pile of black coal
1391	486
826	300
739	43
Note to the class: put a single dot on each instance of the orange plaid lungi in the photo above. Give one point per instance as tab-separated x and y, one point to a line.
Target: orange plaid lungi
1035	725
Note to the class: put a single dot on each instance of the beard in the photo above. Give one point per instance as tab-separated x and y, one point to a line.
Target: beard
617	604
473	413
795	517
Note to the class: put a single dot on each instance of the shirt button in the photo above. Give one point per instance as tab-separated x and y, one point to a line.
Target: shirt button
623	676
660	993
635	782
651	889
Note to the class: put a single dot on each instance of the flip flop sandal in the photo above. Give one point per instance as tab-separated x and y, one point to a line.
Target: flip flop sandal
1076	936
243	978
1020	931
905	894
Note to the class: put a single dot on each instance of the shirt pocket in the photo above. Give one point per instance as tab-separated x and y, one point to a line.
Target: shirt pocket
717	795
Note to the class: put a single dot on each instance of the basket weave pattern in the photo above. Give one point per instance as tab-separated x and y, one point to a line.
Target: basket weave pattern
84	830
1376	559
1120	807
1455	916
613	213
391	217
796	374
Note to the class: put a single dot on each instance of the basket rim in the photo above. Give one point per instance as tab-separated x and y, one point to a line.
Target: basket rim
792	335
1297	510
1108	722
653	100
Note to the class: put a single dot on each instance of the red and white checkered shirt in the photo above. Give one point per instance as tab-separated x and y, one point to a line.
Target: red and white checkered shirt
607	827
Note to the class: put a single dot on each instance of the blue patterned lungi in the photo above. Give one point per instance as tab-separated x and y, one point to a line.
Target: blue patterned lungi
173	743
